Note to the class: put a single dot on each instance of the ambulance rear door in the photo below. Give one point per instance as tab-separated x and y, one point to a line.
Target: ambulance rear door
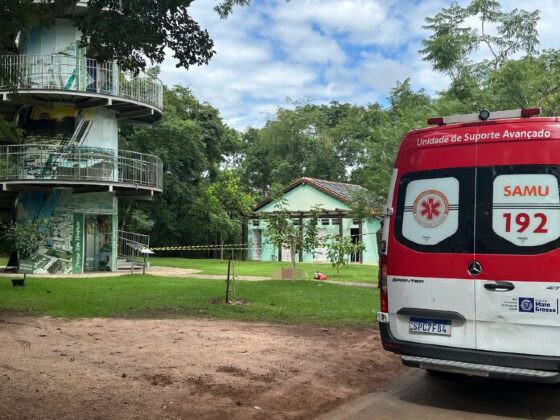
517	241
518	231
430	293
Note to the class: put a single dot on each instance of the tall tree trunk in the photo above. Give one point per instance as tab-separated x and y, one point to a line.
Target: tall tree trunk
293	259
222	247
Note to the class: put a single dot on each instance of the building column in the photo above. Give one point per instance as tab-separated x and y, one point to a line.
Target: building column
301	234
244	240
360	240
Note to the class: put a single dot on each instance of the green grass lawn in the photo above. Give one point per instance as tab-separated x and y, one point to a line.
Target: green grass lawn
351	273
147	296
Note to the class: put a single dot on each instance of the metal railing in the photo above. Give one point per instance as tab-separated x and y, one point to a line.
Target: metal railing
78	74
47	162
130	243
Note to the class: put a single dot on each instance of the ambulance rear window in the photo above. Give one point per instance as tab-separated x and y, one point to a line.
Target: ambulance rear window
435	210
518	209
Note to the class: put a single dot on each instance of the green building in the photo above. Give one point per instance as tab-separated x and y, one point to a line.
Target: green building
335	218
69	170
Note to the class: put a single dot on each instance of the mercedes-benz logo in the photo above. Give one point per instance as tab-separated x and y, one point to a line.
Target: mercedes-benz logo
474	268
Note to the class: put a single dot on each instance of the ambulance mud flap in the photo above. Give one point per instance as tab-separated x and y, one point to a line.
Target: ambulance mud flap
474	369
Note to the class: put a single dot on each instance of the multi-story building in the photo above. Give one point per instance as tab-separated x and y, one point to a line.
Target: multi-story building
69	170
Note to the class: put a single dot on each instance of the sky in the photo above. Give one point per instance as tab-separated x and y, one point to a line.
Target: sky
276	52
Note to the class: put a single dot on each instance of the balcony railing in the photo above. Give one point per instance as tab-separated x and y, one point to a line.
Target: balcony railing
38	162
77	74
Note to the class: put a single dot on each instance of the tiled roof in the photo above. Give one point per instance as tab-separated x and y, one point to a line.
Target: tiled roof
339	190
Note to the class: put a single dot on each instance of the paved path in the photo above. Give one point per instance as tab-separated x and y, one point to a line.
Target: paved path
155	271
174	272
418	395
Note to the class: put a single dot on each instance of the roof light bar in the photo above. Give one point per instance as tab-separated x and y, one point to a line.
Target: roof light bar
485	115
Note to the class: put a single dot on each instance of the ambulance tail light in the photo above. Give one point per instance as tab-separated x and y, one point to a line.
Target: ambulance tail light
382	284
530	112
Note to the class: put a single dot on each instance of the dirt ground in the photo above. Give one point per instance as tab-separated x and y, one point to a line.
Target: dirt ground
123	369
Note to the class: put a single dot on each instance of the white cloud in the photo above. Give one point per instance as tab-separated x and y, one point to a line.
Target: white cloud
302	44
345	50
365	22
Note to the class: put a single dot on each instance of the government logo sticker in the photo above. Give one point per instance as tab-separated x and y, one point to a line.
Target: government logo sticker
430	208
526	304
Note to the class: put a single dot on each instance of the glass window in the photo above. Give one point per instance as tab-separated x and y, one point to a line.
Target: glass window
518	210
325	222
526	208
431	210
435	210
335	222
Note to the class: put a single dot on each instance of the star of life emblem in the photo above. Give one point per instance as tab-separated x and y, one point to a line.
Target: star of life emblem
430	208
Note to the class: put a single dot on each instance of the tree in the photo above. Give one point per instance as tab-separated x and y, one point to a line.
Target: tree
24	238
339	249
452	41
309	140
281	231
9	132
528	82
132	32
196	143
138	220
15	16
226	206
408	111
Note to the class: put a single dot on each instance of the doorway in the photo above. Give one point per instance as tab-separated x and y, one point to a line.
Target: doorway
256	246
99	242
355	257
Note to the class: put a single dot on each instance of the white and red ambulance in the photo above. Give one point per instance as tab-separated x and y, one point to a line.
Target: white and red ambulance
470	258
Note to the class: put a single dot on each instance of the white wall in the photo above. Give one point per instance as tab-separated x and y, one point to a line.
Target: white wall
61	37
104	131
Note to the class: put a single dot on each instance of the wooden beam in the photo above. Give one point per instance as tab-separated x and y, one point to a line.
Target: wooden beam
296	214
360	231
301	234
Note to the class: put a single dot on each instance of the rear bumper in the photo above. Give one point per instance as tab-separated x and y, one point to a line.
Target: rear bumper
473	362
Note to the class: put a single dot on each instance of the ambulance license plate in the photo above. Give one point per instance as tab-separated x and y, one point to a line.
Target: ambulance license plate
430	326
